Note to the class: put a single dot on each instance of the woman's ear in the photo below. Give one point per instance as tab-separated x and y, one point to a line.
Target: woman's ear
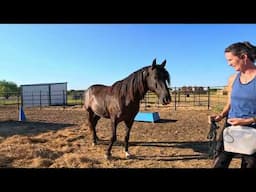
244	56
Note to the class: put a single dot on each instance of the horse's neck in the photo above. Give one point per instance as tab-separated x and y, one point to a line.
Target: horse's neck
141	95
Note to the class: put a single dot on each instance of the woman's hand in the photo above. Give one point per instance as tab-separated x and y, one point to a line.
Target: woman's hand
216	118
240	121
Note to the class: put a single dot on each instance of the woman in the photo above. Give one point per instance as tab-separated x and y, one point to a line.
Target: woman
241	105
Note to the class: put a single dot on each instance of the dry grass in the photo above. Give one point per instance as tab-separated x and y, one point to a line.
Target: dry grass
58	138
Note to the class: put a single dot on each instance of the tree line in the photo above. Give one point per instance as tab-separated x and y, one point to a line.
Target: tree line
8	88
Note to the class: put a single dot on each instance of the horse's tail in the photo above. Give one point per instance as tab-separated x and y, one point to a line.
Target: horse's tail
86	99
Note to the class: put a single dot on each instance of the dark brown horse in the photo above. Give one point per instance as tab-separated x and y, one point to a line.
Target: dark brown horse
121	101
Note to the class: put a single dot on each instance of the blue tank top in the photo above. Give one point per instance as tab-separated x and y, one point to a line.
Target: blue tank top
243	99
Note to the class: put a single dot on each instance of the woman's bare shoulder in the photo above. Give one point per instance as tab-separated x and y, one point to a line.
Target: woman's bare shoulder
231	80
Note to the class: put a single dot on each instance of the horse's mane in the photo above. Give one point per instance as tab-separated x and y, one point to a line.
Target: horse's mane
133	86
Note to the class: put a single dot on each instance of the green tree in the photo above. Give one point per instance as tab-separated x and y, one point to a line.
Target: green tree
8	88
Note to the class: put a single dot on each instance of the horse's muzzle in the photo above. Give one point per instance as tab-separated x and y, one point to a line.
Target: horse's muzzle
166	100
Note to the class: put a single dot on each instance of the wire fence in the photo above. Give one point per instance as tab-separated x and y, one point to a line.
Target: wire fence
181	97
190	97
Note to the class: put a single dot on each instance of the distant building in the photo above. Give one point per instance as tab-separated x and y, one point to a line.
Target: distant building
223	91
46	94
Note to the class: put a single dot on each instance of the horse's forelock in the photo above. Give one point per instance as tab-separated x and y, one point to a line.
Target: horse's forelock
165	74
167	77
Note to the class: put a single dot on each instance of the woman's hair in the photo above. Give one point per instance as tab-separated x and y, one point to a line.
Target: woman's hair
241	48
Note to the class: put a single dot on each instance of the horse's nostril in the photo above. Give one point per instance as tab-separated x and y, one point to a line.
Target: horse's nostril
167	100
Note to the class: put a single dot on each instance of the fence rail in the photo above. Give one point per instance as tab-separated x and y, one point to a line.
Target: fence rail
206	97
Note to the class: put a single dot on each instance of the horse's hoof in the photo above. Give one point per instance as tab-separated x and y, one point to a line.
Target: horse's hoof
108	157
128	155
94	143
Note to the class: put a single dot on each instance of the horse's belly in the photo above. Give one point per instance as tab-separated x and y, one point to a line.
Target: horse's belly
101	112
105	115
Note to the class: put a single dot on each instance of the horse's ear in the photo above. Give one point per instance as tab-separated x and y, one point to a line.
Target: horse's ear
154	64
163	64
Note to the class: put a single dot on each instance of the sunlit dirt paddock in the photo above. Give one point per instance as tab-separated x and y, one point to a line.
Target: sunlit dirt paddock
60	138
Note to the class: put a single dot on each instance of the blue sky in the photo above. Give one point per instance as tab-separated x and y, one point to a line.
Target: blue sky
86	54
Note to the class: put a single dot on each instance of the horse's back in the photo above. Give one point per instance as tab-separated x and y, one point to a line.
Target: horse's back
98	90
95	99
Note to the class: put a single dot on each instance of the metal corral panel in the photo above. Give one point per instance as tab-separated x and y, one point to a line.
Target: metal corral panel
58	93
44	94
35	95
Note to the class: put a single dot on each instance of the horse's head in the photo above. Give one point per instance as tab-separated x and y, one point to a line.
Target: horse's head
157	80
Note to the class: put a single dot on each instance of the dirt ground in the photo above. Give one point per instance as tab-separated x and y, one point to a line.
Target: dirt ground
60	138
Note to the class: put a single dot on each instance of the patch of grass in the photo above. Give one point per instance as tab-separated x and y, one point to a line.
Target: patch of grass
217	108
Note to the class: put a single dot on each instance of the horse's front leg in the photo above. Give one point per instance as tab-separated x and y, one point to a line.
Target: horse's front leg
127	136
113	138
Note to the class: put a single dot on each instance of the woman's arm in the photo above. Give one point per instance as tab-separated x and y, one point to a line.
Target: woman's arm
226	108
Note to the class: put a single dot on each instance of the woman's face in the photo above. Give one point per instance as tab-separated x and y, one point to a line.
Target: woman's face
234	61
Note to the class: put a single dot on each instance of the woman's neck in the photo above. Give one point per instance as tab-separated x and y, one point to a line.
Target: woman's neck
249	69
248	74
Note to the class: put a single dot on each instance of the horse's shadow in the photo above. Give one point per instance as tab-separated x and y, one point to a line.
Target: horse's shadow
10	128
160	121
166	120
201	149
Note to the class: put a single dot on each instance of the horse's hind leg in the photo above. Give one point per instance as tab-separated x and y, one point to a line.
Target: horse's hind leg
92	122
127	136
